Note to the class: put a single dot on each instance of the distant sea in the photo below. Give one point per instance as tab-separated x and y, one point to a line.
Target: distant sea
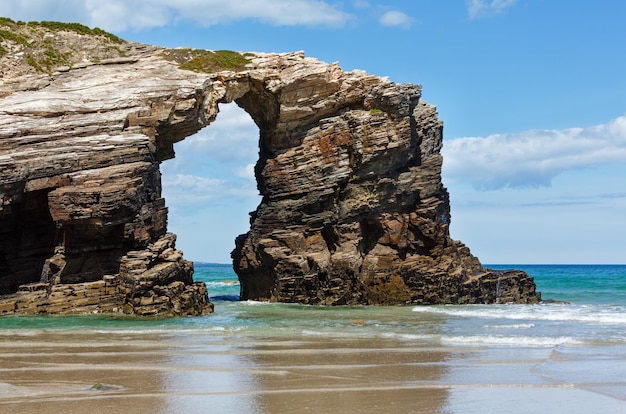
596	312
273	358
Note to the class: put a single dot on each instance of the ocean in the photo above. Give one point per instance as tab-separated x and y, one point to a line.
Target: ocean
251	357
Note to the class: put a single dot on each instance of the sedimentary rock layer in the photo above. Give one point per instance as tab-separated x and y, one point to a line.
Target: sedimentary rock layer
353	207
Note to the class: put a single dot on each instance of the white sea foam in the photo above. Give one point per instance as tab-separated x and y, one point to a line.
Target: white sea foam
131	331
335	334
254	302
222	283
511	326
531	341
21	332
410	337
593	314
308	332
166	330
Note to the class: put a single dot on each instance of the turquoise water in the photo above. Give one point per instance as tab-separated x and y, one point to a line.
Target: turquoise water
282	358
596	314
578	284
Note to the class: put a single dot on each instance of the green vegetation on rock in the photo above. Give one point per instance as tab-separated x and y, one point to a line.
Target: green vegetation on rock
44	48
5	21
6	35
33	62
77	28
52	57
207	61
10	36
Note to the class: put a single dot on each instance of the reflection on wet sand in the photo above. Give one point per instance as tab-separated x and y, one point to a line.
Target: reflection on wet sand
342	376
79	372
207	369
324	376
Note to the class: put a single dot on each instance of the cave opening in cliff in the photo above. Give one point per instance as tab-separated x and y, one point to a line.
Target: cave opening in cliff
210	187
27	238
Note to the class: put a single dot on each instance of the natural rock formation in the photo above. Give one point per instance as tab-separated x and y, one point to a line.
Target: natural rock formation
353	207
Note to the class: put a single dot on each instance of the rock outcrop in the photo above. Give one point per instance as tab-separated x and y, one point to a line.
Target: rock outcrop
353	207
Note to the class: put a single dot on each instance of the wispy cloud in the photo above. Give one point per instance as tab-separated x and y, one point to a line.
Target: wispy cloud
394	18
233	136
486	8
613	195
187	189
216	164
361	4
246	172
532	158
122	15
190	188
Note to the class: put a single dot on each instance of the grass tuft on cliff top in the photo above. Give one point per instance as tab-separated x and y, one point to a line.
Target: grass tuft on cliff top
207	61
58	26
77	28
43	52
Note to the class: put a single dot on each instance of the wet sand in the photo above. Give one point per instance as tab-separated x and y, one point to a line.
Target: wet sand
200	372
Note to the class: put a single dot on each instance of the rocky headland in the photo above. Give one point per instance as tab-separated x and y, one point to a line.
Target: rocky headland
353	208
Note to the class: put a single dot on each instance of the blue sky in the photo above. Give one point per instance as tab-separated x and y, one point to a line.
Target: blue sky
532	94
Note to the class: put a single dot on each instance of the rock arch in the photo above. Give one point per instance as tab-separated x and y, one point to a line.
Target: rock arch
353	207
210	187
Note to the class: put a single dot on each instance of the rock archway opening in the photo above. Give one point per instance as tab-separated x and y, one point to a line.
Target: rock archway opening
210	186
348	164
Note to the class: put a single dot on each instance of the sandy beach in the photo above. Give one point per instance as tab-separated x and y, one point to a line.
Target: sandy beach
198	371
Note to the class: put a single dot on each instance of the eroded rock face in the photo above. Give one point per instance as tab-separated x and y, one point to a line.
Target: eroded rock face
353	207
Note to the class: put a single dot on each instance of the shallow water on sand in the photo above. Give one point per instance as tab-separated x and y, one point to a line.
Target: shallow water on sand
251	357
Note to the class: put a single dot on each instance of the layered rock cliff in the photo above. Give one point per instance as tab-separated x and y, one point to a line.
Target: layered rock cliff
353	207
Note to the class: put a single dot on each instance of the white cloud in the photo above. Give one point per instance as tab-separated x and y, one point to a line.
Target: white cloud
532	158
216	165
396	18
232	136
487	8
188	189
361	4
121	15
246	172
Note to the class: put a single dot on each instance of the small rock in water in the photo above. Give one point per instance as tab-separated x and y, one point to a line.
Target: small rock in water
102	387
